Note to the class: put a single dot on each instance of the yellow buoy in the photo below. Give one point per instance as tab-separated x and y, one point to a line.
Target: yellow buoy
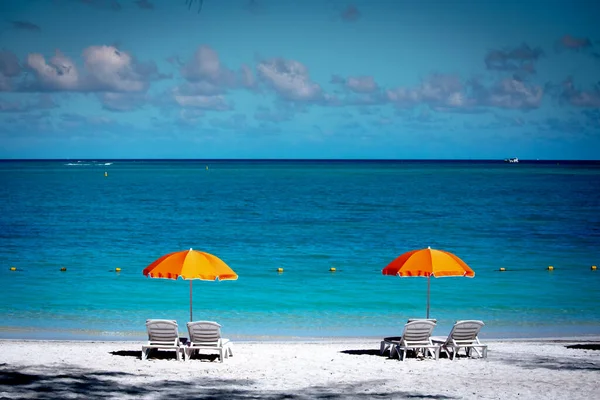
593	267
117	269
550	268
331	269
63	269
13	268
105	173
502	269
279	269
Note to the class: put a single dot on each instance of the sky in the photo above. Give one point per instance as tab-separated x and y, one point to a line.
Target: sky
366	79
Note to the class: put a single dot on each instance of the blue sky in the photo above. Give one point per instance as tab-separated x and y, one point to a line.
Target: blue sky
300	79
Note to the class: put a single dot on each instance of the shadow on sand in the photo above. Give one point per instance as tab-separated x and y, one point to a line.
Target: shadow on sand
363	352
163	355
92	384
556	363
587	346
386	354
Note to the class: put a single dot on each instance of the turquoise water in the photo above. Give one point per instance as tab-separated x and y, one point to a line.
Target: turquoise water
304	217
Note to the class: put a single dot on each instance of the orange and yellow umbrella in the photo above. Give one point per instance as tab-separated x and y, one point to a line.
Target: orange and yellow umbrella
190	264
428	262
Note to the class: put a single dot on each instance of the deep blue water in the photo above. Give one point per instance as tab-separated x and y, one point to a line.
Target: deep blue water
305	217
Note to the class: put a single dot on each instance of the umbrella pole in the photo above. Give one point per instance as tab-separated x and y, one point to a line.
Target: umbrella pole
191	301
428	287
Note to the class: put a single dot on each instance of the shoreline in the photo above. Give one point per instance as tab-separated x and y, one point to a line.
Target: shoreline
73	334
312	339
336	368
32	334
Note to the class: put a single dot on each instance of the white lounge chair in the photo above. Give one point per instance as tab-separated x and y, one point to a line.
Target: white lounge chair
206	335
162	334
389	343
462	336
417	337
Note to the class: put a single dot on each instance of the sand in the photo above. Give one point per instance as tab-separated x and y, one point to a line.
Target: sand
331	368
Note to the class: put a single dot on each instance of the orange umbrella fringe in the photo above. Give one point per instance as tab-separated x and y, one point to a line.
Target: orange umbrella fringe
421	263
202	278
190	264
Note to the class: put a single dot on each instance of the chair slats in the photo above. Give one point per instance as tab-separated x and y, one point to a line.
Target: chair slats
417	336
464	335
162	334
206	335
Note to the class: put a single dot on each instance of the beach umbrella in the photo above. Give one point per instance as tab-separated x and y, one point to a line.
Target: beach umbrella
428	262
190	264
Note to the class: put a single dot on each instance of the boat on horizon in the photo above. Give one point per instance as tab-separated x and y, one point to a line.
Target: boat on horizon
511	160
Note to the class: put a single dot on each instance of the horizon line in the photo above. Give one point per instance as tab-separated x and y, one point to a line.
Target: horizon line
301	159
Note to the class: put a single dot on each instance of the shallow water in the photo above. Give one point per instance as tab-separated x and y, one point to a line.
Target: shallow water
305	217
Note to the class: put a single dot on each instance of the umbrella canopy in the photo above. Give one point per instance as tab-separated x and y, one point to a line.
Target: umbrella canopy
428	262
190	264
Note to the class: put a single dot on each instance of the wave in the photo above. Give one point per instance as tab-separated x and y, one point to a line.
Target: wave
87	163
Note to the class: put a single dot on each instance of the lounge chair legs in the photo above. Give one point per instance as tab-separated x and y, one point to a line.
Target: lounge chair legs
224	352
452	352
147	350
382	347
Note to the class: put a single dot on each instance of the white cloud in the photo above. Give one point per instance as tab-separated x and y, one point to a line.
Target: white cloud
112	70
105	69
580	98
59	73
448	93
206	66
514	94
289	79
361	84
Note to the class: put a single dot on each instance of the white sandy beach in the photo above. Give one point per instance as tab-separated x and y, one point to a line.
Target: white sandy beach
333	369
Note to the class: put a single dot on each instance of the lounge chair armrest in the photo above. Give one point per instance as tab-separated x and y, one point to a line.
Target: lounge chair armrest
439	339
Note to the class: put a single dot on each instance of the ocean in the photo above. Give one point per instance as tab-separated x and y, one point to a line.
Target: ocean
305	216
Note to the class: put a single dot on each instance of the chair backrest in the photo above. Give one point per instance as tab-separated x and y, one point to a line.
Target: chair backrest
204	331
422	319
418	331
465	331
162	331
